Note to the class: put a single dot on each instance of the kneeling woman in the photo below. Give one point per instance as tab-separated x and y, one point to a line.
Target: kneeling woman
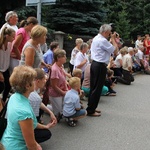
21	121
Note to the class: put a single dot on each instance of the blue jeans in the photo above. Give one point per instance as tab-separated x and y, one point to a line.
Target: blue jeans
78	113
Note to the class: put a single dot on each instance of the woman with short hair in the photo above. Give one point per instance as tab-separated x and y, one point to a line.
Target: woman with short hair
74	52
31	53
21	121
58	82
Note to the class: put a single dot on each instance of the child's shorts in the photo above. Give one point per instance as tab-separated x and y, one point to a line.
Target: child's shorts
78	113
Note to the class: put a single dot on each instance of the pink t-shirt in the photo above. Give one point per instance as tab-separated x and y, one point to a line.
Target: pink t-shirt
25	36
58	73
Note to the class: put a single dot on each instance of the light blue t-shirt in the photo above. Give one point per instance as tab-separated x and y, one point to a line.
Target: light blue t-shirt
71	102
18	109
48	58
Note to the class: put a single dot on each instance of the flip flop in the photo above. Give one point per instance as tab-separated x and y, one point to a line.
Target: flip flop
98	111
94	114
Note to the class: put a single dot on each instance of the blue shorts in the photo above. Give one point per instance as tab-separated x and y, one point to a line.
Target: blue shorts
78	113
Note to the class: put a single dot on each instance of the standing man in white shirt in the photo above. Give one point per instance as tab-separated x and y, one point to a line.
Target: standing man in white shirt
101	50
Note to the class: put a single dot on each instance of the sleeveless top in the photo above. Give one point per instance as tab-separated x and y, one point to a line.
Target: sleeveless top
38	57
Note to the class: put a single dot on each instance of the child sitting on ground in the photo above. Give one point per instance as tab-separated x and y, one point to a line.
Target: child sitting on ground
72	110
110	82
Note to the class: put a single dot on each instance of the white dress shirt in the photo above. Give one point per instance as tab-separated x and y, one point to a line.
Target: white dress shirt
101	49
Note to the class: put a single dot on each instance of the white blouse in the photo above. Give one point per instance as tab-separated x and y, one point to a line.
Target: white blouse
5	57
78	60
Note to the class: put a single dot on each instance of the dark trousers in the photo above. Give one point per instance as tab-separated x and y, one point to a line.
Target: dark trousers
127	77
7	85
117	71
71	67
2	87
42	135
41	112
97	79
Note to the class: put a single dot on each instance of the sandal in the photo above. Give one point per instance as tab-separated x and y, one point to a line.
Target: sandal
71	122
98	111
94	114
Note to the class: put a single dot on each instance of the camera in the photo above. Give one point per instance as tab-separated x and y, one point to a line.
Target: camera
113	27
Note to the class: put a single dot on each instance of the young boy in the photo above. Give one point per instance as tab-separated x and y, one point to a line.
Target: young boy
72	108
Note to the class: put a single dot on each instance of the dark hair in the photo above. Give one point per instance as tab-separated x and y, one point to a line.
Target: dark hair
53	45
29	20
113	27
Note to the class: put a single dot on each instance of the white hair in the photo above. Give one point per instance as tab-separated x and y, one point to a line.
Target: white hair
10	14
104	28
130	49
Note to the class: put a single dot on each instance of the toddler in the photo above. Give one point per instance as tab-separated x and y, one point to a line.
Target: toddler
72	109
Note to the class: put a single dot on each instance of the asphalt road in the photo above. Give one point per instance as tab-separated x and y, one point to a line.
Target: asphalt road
124	124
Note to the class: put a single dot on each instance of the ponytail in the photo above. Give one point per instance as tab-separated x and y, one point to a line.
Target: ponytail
29	20
22	23
5	31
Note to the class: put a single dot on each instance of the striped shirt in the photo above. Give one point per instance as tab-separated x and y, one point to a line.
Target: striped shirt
35	101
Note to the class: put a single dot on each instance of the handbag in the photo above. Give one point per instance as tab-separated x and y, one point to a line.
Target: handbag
3	120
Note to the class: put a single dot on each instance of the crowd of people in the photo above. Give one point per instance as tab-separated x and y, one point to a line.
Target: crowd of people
36	80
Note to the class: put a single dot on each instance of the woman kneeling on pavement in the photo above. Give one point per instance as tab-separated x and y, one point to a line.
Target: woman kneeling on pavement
21	121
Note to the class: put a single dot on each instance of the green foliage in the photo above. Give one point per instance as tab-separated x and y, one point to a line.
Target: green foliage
75	16
85	17
123	24
25	12
134	14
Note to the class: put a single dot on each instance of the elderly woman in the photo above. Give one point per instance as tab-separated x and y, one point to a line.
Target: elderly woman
74	52
31	52
58	82
81	59
21	121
